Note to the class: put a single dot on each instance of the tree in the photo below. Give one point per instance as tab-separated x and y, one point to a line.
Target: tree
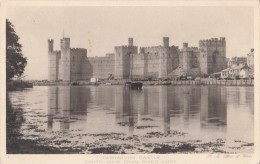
15	62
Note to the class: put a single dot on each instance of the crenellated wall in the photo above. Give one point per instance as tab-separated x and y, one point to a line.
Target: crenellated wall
77	58
65	59
102	67
212	55
72	64
122	60
138	65
160	60
189	57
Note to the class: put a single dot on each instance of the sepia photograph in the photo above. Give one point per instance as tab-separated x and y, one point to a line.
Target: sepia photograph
137	79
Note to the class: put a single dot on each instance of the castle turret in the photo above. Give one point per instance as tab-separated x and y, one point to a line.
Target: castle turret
130	41
185	45
52	62
166	41
50	41
65	58
65	43
187	56
123	60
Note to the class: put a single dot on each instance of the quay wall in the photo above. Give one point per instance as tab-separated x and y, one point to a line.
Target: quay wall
215	82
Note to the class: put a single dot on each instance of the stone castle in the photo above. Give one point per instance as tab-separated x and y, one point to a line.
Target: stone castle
164	61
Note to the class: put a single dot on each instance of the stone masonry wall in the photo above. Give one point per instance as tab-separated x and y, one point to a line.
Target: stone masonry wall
152	62
102	67
77	58
212	55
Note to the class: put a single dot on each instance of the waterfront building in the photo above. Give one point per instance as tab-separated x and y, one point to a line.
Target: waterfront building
237	60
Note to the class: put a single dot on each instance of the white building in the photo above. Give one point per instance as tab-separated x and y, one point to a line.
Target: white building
237	71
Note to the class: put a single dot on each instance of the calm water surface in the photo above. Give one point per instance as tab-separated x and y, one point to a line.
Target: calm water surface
206	112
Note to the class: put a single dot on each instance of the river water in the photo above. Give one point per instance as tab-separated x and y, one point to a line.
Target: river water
75	113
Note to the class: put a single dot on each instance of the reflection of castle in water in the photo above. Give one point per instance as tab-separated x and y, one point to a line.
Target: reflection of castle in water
206	104
170	105
67	104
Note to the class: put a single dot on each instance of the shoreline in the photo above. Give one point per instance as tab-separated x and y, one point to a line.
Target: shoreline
201	82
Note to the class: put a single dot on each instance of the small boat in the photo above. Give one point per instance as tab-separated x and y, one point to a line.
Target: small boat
134	85
108	84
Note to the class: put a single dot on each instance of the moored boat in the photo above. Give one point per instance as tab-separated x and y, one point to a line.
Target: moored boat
134	85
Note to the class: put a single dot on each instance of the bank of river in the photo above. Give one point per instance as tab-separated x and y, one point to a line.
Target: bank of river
203	81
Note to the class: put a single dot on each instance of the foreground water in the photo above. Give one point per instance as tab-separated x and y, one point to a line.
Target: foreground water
157	119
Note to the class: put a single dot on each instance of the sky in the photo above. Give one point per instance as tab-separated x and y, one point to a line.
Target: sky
99	29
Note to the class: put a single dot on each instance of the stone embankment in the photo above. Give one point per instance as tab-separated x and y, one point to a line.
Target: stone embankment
206	81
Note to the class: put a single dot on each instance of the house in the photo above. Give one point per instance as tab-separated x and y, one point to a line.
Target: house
246	72
236	61
234	71
237	71
225	73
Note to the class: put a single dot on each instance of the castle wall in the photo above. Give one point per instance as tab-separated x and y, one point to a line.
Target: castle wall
102	67
165	62
122	61
138	64
152	62
160	60
189	57
77	58
65	59
53	63
175	54
212	55
87	72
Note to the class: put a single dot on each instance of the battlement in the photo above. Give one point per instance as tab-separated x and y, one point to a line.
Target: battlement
124	46
130	41
110	55
151	49
212	41
125	49
185	45
166	41
138	55
65	43
56	52
187	48
78	49
50	42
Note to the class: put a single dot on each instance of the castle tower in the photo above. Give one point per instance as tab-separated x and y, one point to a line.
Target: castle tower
212	55
166	41
186	56
165	62
130	41
52	62
123	60
50	41
65	59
